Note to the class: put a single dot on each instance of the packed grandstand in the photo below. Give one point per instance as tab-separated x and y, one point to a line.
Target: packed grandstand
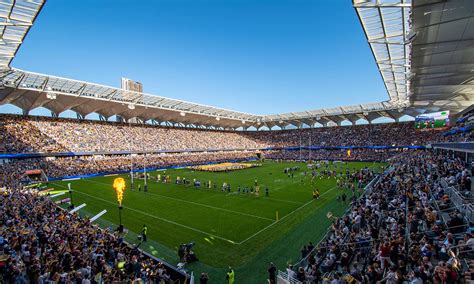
35	138
385	235
410	223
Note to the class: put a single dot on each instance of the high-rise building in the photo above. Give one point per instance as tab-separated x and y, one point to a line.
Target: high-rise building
134	86
130	85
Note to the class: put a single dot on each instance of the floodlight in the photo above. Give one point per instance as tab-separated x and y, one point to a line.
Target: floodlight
51	96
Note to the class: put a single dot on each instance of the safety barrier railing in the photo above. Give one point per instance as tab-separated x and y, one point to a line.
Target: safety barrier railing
462	204
367	190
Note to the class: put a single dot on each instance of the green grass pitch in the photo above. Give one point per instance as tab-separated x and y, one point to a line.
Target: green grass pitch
229	229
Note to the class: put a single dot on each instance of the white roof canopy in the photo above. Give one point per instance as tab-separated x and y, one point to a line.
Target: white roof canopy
29	90
16	19
424	50
386	25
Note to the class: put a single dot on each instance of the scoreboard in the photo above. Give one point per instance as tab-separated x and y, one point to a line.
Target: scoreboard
432	120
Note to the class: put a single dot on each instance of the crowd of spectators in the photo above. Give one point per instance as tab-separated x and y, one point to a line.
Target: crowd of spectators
334	154
404	228
41	243
12	173
42	134
463	130
388	134
23	134
19	136
27	134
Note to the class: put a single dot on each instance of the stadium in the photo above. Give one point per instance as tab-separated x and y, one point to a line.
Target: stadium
140	188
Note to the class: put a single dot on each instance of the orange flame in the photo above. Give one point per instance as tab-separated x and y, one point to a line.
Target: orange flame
119	186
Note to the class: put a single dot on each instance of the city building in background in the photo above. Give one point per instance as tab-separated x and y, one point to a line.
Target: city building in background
130	85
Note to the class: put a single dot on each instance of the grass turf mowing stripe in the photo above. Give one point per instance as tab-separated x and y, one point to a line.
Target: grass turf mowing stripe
279	243
287	201
245	195
156	217
284	217
194	203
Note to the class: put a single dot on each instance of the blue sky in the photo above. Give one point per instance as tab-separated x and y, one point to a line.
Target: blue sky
257	56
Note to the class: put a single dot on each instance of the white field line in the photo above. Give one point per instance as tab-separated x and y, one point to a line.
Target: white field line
197	230
284	217
265	198
232	193
155	217
282	200
199	204
217	194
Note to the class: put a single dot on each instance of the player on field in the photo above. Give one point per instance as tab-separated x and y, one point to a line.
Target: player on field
316	194
230	275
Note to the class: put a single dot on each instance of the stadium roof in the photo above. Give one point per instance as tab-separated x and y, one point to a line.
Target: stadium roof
423	50
16	19
29	90
442	61
386	26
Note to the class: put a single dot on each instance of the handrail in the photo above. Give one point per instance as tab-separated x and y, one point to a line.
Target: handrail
285	278
367	190
459	200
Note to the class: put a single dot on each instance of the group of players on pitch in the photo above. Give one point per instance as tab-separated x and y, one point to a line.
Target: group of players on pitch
353	180
226	187
346	179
